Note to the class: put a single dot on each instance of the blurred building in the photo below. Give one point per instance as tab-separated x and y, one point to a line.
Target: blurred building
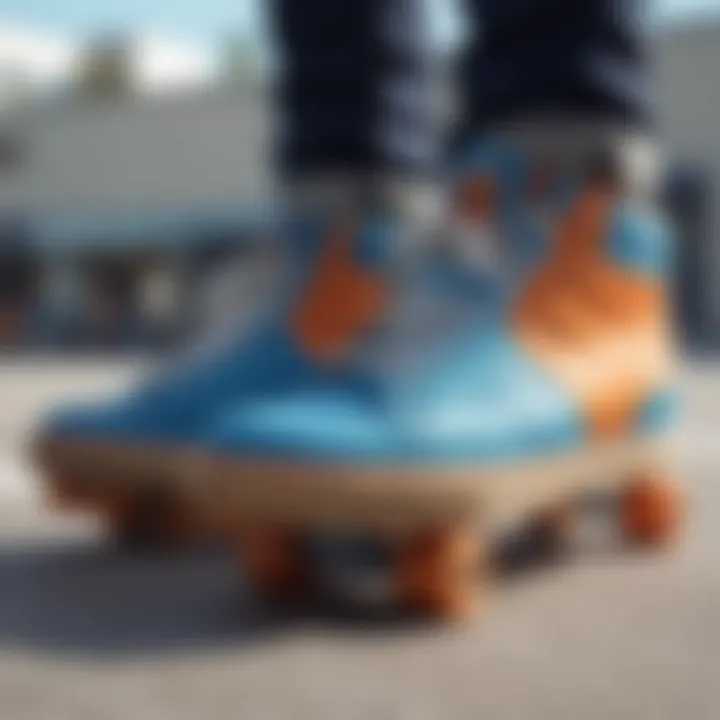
126	196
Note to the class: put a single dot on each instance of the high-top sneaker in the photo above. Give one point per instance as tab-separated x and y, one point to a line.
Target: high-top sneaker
128	455
441	404
123	455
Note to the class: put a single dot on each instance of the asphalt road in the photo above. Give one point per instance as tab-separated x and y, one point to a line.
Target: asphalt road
87	634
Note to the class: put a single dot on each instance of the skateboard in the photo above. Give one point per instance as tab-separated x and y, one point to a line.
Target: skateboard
434	525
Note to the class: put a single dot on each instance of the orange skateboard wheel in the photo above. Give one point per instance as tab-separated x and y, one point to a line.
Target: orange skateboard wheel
651	511
437	572
274	562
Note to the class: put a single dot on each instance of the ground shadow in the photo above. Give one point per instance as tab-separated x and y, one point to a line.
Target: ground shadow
86	597
89	598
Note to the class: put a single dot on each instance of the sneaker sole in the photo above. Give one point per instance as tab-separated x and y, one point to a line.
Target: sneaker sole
405	498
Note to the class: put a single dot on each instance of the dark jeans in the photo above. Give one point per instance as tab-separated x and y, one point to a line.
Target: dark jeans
571	58
356	92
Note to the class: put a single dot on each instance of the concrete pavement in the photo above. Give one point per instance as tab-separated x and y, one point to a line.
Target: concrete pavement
86	634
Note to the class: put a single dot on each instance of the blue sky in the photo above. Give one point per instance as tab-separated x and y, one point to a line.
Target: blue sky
202	20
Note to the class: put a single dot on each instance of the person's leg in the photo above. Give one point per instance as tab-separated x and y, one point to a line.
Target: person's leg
355	93
390	377
565	83
557	107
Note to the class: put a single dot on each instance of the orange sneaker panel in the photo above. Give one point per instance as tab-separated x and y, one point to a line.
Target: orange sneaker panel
340	302
598	328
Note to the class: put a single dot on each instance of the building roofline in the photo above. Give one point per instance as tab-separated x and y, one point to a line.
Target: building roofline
68	102
706	21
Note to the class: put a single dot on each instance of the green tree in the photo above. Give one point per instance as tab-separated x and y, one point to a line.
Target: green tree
104	71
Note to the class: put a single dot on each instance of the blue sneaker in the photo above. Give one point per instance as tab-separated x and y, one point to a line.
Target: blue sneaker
433	407
140	444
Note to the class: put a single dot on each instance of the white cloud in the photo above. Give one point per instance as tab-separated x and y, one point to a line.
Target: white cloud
35	57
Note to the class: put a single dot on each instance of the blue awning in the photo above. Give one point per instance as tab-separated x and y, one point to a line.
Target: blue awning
175	227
